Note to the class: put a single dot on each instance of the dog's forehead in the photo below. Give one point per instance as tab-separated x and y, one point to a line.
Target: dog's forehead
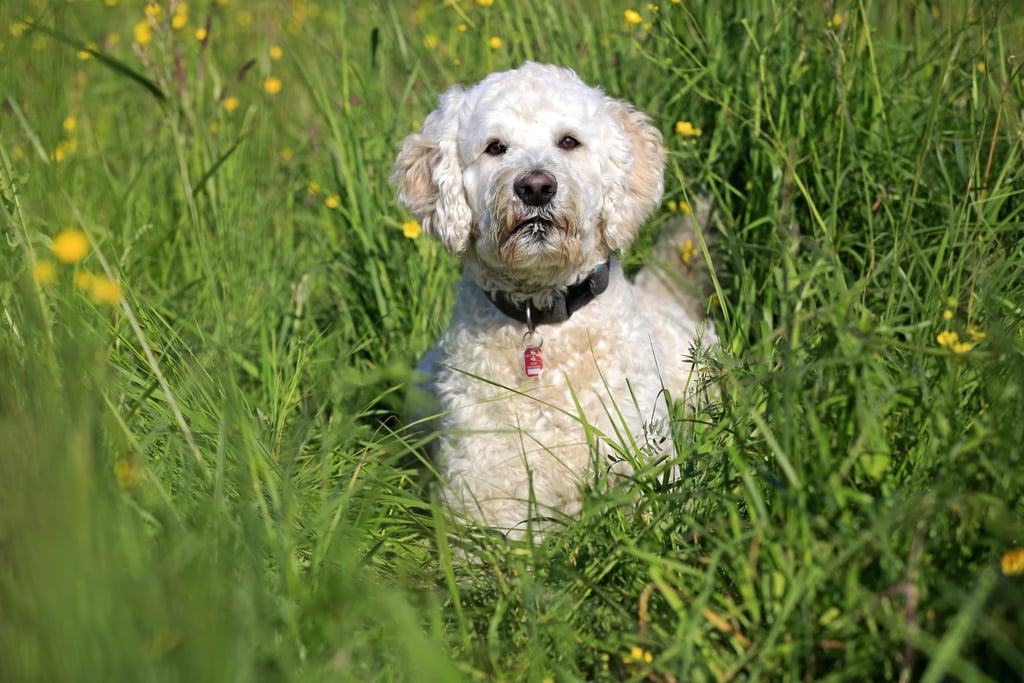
544	98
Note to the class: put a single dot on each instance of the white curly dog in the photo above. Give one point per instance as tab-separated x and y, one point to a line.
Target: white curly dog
554	366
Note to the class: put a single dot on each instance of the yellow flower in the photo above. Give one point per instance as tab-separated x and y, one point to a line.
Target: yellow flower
981	67
947	315
976	333
1012	563
44	272
687	251
230	104
179	20
686	129
430	40
275	52
64	149
494	43
947	338
333	201
462	28
633	17
835	21
143	32
637	655
126	473
484	3
272	85
104	291
313	187
411	229
70	123
671	204
153	9
951	341
201	33
287	153
70	245
83	280
684	208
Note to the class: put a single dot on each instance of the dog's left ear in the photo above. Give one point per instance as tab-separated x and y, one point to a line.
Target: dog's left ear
429	176
638	190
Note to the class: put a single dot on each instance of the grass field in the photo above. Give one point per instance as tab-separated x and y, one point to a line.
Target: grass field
211	304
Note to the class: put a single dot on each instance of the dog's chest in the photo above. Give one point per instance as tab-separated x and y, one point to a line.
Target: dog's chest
599	362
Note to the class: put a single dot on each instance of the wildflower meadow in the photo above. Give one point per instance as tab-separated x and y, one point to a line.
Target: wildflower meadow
211	305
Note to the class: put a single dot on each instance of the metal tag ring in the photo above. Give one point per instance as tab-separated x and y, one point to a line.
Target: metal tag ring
539	336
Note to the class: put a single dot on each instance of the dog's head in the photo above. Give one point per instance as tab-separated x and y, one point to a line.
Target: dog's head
531	172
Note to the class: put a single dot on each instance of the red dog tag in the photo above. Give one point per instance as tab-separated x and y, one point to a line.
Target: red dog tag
532	361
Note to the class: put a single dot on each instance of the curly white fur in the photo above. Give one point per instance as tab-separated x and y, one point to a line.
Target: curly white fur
512	448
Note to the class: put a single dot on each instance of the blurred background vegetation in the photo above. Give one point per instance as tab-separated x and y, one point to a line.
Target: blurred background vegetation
211	303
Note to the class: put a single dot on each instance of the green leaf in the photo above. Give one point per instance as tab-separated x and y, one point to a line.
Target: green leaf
111	62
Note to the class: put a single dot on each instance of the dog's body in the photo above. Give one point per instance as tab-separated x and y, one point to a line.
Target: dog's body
551	363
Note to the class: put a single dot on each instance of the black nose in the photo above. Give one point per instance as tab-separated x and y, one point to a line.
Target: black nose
536	188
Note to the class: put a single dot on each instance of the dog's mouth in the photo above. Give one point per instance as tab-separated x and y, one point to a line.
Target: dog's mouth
540	236
533	227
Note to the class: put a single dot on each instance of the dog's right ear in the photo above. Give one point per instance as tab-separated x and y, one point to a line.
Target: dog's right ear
429	176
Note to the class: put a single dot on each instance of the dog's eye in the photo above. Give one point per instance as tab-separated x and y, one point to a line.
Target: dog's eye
569	142
495	148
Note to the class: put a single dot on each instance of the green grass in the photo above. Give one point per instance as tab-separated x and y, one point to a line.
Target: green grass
211	480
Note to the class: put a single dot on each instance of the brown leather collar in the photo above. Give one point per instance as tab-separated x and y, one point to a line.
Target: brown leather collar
571	300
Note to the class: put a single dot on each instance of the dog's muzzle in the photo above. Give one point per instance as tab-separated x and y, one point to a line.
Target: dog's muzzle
536	191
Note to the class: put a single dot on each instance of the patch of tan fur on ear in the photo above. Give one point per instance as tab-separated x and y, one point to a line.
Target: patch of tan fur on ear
414	179
646	182
429	177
